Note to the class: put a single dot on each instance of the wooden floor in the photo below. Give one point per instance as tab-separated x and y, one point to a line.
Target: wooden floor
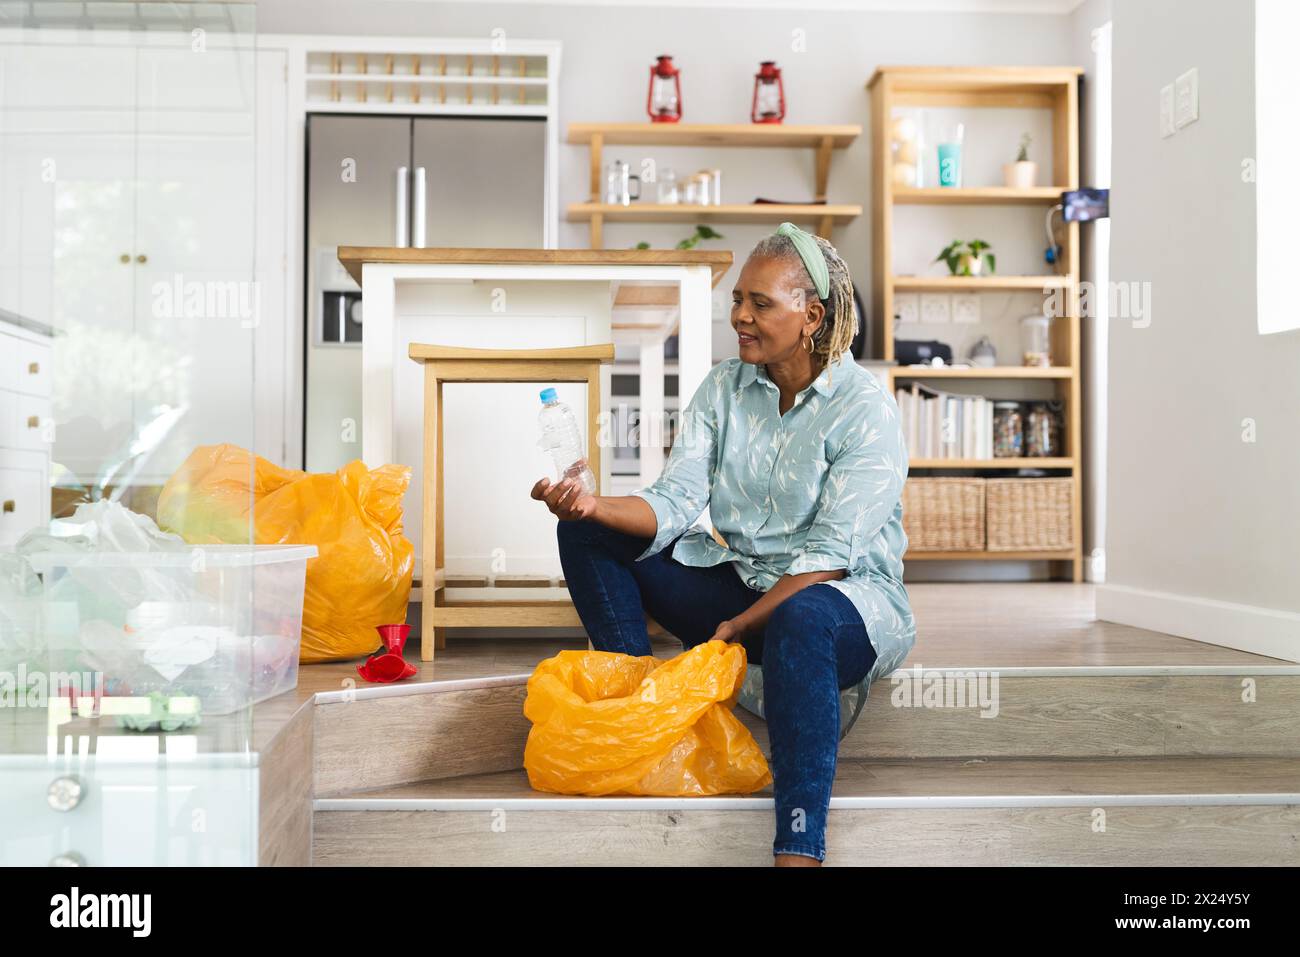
1003	625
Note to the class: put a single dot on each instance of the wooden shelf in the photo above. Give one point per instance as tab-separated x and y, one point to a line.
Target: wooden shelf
991	79
975	283
981	372
978	195
690	213
776	135
1055	555
822	140
1022	462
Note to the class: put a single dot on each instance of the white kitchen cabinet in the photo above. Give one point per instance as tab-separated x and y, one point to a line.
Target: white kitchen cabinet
25	417
24	494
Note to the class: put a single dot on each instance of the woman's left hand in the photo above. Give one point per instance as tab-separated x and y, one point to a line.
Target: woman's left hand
728	631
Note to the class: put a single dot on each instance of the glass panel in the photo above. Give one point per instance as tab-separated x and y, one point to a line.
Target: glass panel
131	655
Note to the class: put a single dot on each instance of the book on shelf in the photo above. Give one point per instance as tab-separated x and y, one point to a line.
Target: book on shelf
945	425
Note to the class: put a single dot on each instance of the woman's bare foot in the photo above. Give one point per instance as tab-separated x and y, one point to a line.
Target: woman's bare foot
796	860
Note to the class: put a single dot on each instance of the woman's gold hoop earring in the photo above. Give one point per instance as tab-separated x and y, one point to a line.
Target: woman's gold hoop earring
808	344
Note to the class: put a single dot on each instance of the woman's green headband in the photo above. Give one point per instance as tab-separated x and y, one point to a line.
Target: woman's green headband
812	257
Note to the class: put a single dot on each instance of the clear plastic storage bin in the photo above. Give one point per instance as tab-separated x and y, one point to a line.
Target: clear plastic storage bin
221	623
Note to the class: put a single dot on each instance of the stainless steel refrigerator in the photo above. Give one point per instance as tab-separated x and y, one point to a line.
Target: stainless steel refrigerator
399	181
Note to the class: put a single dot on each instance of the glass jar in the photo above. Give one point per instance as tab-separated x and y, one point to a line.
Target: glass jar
1035	340
666	188
1043	431
688	191
704	194
695	190
1008	431
906	148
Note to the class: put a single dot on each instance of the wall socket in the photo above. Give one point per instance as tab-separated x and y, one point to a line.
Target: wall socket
1180	103
1167	127
966	308
935	307
907	307
1187	99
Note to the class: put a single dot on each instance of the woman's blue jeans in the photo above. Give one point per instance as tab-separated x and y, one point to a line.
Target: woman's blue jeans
814	644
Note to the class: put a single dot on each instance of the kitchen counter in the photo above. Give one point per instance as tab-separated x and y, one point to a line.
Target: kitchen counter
354	257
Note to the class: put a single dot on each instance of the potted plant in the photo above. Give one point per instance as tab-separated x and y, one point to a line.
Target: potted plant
967	258
1023	172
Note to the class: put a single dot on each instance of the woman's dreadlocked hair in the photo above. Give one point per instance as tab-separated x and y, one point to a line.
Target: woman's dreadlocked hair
840	325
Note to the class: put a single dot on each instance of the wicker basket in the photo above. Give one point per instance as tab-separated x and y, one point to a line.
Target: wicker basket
944	514
1029	514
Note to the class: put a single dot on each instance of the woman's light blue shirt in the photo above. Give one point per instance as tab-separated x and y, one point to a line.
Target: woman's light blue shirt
817	489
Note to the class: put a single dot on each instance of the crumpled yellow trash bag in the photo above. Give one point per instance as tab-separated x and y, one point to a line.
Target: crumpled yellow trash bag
616	724
362	576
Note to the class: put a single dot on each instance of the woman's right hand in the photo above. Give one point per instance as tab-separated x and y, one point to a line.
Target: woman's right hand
567	499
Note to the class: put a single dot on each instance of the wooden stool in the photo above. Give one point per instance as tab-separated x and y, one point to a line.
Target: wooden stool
455	364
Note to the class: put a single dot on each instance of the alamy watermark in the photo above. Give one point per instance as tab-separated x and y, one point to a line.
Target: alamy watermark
22	688
1128	301
182	298
917	687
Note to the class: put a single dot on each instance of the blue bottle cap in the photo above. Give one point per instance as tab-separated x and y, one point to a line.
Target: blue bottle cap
548	395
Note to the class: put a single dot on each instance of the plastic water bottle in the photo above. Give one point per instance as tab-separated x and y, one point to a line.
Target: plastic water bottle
560	437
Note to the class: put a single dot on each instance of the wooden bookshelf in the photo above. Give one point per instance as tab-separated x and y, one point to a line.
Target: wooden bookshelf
772	135
822	140
1023	462
979	283
981	372
975	88
978	195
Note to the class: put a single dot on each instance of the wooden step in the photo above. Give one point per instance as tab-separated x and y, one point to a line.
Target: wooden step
1201	811
377	737
394	734
1089	712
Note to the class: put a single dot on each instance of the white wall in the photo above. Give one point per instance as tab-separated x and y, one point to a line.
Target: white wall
1202	526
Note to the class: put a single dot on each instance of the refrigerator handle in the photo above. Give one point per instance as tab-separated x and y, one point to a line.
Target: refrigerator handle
417	204
401	208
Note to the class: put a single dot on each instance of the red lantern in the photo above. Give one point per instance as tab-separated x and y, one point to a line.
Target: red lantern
663	101
769	94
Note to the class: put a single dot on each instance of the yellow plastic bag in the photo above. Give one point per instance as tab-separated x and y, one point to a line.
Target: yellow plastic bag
362	577
616	724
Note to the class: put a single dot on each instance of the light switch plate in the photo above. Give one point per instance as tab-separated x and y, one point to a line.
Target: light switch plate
907	306
1187	99
935	307
966	308
1167	127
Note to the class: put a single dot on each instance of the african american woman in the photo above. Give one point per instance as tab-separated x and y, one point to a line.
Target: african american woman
796	452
